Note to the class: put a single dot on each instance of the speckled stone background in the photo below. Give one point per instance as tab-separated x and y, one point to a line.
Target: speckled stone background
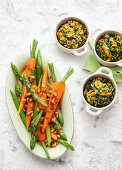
97	141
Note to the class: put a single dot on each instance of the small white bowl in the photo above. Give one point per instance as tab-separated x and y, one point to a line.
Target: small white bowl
95	111
79	51
96	35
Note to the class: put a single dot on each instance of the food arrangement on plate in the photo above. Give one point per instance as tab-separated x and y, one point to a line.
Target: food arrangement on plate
37	100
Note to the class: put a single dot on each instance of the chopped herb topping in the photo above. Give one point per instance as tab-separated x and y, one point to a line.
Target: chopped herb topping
72	34
109	47
99	91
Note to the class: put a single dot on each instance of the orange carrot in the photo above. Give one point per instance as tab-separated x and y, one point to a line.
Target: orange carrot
53	102
41	136
31	64
30	108
36	88
55	97
43	93
113	42
23	98
52	85
106	51
105	94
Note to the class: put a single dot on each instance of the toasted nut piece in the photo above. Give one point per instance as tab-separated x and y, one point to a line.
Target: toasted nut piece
46	144
53	101
23	100
29	112
42	85
33	77
38	90
52	130
48	95
58	136
42	118
60	127
50	91
38	109
31	106
53	120
28	94
54	93
56	113
27	99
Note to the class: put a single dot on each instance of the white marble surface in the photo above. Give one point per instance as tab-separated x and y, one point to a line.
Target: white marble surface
97	141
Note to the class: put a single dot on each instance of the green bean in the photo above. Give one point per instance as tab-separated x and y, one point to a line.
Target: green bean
48	134
33	141
33	74
45	149
60	117
22	114
66	144
34	127
37	118
35	113
51	67
18	90
31	90
17	73
33	50
61	132
38	66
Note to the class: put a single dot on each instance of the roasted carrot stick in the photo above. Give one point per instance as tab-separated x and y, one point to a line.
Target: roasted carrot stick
41	136
31	63
43	92
36	88
55	98
23	98
30	108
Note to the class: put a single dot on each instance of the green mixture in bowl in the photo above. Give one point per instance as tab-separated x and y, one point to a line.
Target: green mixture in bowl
99	91
109	47
72	34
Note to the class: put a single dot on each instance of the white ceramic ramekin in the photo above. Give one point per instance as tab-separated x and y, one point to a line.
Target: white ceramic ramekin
96	35
95	111
79	51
